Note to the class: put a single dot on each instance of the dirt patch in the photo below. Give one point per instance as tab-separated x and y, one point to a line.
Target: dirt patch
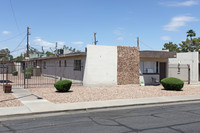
84	94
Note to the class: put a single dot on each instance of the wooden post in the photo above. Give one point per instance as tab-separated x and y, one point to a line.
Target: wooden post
138	42
27	49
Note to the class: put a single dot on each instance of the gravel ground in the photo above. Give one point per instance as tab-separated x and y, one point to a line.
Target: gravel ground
8	100
83	94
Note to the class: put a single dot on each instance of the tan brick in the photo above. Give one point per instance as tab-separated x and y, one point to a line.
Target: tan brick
127	65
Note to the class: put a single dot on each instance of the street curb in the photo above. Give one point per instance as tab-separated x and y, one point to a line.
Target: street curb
97	108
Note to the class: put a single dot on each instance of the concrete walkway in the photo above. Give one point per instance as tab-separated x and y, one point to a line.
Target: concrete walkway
35	104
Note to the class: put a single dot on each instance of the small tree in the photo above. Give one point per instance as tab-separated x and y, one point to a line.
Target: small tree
171	47
8	55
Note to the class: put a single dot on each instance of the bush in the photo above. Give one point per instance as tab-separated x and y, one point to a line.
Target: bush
172	83
63	85
30	69
15	73
27	75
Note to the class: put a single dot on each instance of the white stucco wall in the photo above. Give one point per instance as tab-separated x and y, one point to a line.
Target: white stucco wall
101	66
191	58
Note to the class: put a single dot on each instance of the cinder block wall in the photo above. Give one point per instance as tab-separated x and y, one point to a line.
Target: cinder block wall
128	61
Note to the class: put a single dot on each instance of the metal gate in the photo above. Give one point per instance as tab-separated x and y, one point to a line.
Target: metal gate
33	74
181	71
22	74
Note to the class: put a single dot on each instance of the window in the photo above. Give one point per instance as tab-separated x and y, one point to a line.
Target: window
35	63
60	63
77	65
148	67
44	65
65	63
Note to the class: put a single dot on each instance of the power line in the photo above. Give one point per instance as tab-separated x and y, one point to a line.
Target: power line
146	45
12	37
18	50
19	43
14	16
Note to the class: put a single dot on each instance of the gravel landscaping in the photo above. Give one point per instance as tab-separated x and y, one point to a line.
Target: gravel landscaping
8	100
84	94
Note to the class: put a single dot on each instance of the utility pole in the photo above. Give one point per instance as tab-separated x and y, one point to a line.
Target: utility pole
27	51
95	40
138	42
56	49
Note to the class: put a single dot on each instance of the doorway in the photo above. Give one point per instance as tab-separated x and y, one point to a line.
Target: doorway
162	70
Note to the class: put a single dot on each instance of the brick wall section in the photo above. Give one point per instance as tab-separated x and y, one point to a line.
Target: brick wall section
127	65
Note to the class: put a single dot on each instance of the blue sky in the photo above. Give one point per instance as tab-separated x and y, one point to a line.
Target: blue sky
116	22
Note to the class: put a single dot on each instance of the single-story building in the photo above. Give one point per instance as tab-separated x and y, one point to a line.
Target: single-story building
118	65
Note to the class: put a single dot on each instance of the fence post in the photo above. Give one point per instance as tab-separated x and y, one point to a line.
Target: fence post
7	75
188	74
24	74
55	70
3	74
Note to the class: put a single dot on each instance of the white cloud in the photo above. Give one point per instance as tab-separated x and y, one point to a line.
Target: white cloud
182	3
120	39
47	44
166	38
78	43
179	21
5	32
117	32
60	43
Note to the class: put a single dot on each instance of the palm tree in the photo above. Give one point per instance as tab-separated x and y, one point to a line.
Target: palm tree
191	34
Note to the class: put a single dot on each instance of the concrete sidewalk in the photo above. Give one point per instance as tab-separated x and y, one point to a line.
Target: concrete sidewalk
35	104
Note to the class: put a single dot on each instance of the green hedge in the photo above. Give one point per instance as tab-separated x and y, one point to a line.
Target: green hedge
27	75
15	73
63	85
172	83
30	69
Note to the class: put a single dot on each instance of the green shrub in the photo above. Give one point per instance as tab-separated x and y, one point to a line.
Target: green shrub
15	73
63	85
172	83
27	75
30	69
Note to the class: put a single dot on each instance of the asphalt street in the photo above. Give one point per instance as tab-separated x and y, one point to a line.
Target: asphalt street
170	118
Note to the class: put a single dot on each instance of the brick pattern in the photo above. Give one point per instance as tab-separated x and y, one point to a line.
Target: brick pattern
127	65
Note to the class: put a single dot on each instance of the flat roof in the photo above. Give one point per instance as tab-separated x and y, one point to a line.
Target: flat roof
157	54
143	54
59	56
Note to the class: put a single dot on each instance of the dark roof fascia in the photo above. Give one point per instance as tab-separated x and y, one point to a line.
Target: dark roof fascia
157	54
59	56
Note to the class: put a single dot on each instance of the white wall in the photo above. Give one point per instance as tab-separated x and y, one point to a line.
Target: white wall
101	66
191	58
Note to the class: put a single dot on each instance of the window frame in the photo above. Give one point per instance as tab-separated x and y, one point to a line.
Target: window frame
155	67
65	63
44	65
77	65
60	63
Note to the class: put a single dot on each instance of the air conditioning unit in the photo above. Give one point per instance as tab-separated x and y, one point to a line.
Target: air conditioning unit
60	52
